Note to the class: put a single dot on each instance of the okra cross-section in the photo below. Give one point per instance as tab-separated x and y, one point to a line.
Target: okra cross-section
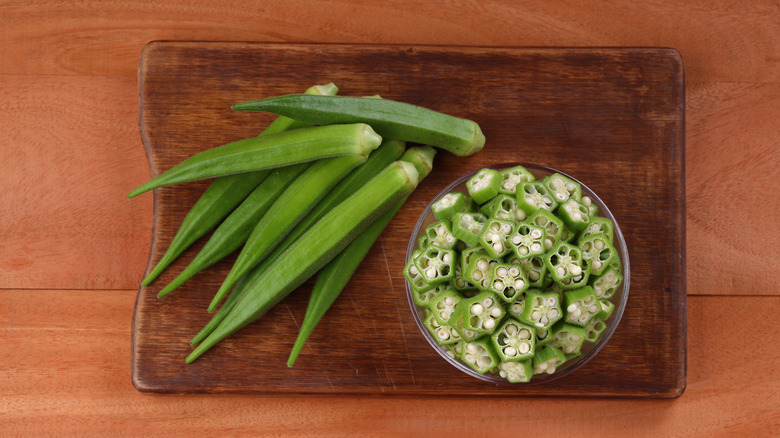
548	360
597	250
553	226
443	334
565	262
512	177
541	310
508	281
581	305
594	329
480	268
534	195
484	185
443	306
516	372
449	204
563	188
598	225
503	207
568	338
440	234
480	355
494	237
527	241
413	275
574	215
514	341
436	264
535	270
467	227
480	314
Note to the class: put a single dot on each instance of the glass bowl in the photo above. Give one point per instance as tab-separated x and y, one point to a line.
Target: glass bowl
589	349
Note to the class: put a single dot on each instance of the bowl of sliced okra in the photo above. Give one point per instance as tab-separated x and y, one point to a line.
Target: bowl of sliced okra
517	274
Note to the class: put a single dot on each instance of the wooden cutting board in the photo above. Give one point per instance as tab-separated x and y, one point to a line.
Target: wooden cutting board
611	117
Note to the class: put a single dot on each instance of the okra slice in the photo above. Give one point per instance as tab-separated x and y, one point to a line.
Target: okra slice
457	322
480	269
541	310
542	338
440	234
552	225
515	308
597	250
535	270
443	305
567	235
442	333
423	241
480	314
413	275
504	207
574	215
607	307
593	209
508	281
449	204
598	225
548	360
455	350
484	185
527	241
459	283
565	261
516	372
563	188
607	284
436	264
494	237
594	329
534	195
581	306
568	338
423	297
480	355
514	341
468	226
512	177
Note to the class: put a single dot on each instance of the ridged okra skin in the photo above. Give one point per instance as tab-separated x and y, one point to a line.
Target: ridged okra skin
315	249
389	118
269	151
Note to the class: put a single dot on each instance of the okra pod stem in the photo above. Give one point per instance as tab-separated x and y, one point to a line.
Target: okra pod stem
389	118
269	151
315	249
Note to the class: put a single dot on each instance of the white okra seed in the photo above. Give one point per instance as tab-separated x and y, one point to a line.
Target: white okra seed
413	270
488	324
510	351
498	285
519	284
471	348
430	273
476	309
524	348
495	312
514	272
551	301
487	302
598	244
501	272
536	247
449	301
536	314
560	271
482	265
572	307
447	258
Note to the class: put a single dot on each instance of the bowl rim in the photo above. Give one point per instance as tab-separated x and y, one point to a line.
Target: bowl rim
615	317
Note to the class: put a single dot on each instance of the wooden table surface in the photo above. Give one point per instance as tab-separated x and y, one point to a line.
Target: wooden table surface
73	248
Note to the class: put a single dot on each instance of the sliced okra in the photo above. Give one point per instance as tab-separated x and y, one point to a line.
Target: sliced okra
563	188
574	215
567	235
577	281
534	195
565	262
541	310
440	234
594	329
449	204
568	338
597	250
458	323
467	227
607	307
514	341
480	314
542	337
423	297
527	241
480	270
515	308
552	225
547	360
516	372
504	207
508	281
459	283
593	209
480	355
581	306
484	185
494	237
443	306
455	350
423	241
607	284
442	333
598	225
413	275
535	271
436	264
512	177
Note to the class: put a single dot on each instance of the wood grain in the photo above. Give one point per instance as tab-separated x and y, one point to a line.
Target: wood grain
65	355
721	40
597	113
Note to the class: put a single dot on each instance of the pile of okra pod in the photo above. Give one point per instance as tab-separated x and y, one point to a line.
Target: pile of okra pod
516	274
307	196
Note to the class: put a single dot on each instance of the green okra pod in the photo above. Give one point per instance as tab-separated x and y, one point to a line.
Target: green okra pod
389	118
270	151
315	249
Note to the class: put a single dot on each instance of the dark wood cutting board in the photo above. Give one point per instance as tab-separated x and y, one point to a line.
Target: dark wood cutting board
611	117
